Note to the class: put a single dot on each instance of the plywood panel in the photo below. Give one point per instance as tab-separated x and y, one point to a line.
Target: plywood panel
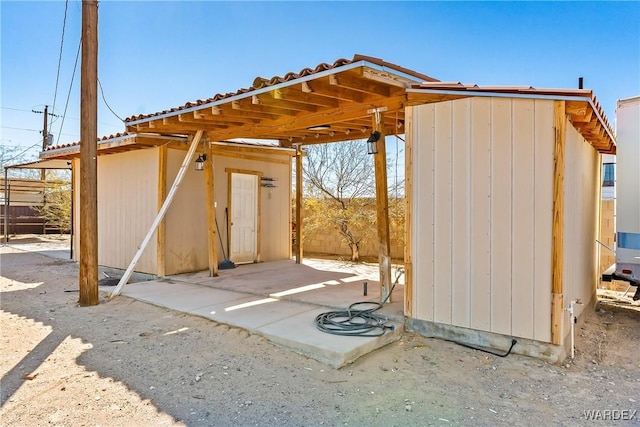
481	214
186	219
461	215
442	213
423	172
127	202
501	215
543	208
523	210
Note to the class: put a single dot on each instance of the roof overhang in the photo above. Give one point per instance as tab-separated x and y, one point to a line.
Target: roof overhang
335	103
582	109
42	164
117	144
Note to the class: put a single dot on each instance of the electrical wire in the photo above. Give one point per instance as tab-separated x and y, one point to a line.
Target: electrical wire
357	322
106	103
64	24
73	75
16	109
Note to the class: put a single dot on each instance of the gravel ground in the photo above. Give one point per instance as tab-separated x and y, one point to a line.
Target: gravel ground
126	363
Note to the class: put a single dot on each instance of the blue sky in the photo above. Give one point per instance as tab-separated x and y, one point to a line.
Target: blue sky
158	55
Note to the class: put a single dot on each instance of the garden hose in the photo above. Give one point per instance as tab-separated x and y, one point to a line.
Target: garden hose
357	322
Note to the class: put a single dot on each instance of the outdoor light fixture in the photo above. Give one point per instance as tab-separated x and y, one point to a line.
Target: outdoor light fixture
372	143
200	162
319	127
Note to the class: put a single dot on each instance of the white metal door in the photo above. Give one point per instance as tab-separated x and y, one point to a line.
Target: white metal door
244	217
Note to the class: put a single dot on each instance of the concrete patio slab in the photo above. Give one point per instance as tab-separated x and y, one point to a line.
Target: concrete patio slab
278	301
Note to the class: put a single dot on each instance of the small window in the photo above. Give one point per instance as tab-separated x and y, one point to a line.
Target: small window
608	174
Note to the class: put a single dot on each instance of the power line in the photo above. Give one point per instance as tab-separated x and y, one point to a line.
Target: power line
30	130
16	109
106	103
70	86
33	130
64	24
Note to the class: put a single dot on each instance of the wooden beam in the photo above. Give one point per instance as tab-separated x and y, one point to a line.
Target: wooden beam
579	111
382	215
305	97
303	120
257	158
350	81
212	237
88	273
211	119
324	87
248	105
162	227
299	201
408	215
188	159
237	111
269	100
557	227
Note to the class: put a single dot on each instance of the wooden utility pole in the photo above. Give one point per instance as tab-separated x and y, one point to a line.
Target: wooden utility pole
45	133
45	138
88	161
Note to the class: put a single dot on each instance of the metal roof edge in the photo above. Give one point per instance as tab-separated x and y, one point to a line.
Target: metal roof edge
467	93
523	95
237	97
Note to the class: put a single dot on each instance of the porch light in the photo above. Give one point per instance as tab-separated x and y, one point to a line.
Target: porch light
200	162
372	143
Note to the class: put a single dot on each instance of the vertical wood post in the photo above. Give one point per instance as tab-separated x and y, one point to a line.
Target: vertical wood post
88	276
298	205
212	238
6	205
408	216
382	212
73	207
557	227
161	244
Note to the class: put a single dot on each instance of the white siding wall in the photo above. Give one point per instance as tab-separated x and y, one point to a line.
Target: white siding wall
127	205
483	185
275	227
581	207
186	247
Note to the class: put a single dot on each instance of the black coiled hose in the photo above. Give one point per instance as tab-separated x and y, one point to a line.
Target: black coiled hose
357	322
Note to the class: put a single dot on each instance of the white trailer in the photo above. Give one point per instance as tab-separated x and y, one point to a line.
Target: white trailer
628	192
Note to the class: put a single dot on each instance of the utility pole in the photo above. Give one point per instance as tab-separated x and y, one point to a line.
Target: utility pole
45	133
88	254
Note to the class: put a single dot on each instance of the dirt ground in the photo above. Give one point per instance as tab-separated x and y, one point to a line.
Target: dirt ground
126	363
